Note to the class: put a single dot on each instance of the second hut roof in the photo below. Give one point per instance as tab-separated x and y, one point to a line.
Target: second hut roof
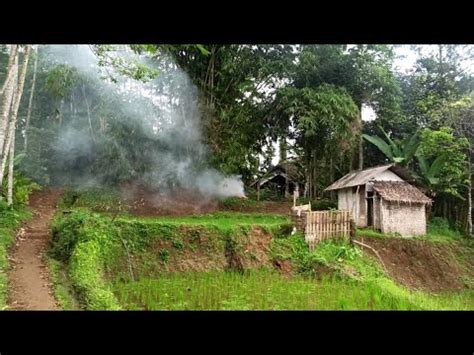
400	191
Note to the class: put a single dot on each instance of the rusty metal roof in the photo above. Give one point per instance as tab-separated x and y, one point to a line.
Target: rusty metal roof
357	177
361	177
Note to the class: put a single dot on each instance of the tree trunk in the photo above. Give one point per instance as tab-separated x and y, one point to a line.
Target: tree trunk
308	175
14	112
60	114
9	72
8	93
361	146
30	102
315	185
88	106
469	196
331	177
209	79
8	131
10	172
283	159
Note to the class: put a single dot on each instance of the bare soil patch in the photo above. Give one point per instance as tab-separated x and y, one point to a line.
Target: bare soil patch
29	283
419	264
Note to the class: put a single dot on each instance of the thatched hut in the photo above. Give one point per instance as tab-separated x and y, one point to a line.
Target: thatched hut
382	198
281	178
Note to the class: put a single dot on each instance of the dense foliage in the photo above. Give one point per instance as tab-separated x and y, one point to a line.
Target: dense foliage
306	99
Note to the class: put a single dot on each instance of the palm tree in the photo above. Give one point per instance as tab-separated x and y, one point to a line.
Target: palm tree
399	152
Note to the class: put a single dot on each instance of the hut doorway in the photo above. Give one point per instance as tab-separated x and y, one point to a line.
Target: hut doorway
370	208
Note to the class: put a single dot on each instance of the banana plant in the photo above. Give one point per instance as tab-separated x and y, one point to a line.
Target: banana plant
399	152
429	173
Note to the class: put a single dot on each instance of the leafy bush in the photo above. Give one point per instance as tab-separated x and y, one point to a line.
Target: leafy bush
439	224
99	200
283	230
85	273
3	205
439	228
66	232
22	188
86	242
266	194
238	202
318	205
323	204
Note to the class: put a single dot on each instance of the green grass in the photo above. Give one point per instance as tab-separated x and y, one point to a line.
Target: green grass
105	257
258	290
90	245
357	282
98	199
268	290
63	291
10	219
438	230
222	220
233	202
368	232
93	246
86	274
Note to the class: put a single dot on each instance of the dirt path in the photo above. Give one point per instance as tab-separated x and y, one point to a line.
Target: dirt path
29	286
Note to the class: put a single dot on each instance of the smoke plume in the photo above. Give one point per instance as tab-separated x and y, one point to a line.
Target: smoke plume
165	110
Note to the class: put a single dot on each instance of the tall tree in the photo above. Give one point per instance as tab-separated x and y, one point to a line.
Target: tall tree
440	77
30	103
364	70
236	83
8	92
323	118
461	117
9	149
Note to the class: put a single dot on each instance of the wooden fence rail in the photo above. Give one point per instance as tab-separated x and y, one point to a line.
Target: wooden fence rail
322	225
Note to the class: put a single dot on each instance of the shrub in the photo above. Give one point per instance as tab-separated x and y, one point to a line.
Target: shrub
439	228
22	188
323	204
85	273
66	232
238	202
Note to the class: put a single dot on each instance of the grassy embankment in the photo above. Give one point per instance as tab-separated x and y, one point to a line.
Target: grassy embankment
190	263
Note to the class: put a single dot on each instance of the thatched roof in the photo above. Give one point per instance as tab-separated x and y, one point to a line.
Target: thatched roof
400	191
362	177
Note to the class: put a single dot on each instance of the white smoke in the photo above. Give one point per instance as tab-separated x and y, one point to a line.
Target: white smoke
167	109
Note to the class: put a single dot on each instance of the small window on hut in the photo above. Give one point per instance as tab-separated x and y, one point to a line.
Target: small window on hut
354	189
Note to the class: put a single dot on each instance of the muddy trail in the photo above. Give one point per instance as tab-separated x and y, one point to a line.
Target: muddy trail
29	285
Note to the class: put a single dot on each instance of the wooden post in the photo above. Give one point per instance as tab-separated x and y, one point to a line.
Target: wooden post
296	194
353	230
258	190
